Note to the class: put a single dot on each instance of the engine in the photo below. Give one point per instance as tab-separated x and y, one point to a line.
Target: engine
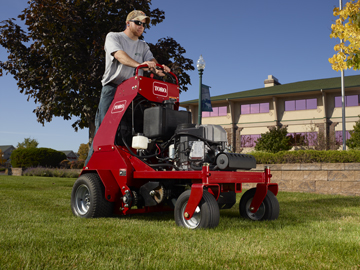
196	145
185	146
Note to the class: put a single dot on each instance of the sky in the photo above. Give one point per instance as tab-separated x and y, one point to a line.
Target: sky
242	42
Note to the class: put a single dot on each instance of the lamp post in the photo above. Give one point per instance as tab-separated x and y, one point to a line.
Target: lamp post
200	66
343	99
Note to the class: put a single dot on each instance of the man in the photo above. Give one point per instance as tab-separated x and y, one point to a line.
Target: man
124	51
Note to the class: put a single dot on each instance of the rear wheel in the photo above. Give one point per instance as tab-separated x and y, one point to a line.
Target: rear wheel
207	214
88	197
268	210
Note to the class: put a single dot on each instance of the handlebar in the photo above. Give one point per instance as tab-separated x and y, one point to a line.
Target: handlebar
160	66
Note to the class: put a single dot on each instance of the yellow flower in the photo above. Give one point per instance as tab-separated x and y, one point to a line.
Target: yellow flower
347	28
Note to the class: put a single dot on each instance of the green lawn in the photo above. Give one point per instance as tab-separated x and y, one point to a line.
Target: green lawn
38	231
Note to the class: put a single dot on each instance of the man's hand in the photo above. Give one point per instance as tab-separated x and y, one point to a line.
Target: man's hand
166	69
160	72
150	64
154	69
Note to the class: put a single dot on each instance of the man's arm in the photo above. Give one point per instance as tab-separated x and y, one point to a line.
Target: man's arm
125	59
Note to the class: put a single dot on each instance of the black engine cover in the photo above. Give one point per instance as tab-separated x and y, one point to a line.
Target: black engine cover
232	161
161	122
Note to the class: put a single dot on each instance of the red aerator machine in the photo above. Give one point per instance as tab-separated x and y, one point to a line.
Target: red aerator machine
149	157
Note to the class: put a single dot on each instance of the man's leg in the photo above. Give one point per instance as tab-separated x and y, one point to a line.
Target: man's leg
107	96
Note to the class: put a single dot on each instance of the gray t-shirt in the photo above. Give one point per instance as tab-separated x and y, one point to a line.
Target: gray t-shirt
115	72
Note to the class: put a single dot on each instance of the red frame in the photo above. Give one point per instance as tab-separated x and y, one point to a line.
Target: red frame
119	170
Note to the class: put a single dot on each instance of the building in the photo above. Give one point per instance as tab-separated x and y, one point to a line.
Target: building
309	109
6	151
70	155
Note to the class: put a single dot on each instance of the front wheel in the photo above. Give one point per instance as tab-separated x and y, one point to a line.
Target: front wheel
88	197
207	213
268	210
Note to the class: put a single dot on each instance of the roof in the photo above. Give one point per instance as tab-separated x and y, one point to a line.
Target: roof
290	88
67	152
3	148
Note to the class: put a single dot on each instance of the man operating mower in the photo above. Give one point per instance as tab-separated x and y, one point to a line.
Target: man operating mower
124	51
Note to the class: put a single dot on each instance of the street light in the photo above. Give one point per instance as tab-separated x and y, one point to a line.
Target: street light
200	66
343	98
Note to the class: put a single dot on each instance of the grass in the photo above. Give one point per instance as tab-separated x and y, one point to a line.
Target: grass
38	231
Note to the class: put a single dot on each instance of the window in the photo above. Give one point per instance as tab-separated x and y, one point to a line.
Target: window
217	111
264	107
303	138
352	100
301	104
338	102
311	103
338	136
249	140
290	105
255	108
222	111
245	109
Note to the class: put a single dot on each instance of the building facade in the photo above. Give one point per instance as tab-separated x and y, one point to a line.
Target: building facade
6	151
311	111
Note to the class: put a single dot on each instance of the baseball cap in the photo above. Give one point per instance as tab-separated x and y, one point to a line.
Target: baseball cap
137	15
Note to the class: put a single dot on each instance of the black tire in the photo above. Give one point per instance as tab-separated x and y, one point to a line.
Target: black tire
207	214
268	210
88	198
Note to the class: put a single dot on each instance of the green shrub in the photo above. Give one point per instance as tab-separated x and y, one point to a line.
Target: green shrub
274	140
33	157
28	143
65	164
77	164
354	141
307	156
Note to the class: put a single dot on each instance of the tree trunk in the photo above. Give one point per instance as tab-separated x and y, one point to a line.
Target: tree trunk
91	131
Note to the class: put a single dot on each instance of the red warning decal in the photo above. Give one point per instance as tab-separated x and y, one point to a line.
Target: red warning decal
160	89
119	106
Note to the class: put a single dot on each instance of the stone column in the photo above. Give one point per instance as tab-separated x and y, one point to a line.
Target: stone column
229	133
332	138
322	143
276	117
193	111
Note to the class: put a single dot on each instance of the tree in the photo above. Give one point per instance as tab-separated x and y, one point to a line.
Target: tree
59	60
354	141
83	151
34	157
167	51
274	140
27	143
347	28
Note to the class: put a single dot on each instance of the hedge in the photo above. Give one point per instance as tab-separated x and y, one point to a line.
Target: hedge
34	157
48	172
307	156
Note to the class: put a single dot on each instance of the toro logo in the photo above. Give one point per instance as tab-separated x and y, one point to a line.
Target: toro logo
160	89
119	106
